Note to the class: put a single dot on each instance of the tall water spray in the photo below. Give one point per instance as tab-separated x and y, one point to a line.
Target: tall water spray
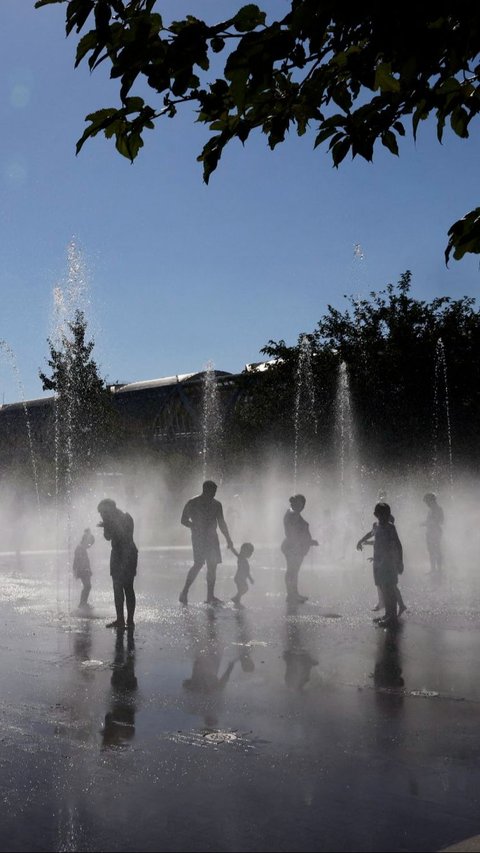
211	422
442	429
69	297
305	416
345	433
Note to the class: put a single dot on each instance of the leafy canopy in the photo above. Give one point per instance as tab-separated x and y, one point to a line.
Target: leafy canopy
389	341
350	72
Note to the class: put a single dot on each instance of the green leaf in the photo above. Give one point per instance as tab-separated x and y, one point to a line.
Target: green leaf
248	17
459	122
217	44
389	141
128	144
420	114
98	121
211	154
324	134
133	105
440	127
238	87
87	42
384	79
464	236
340	151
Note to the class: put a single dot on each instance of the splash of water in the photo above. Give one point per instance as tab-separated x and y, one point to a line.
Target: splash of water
72	295
305	417
441	416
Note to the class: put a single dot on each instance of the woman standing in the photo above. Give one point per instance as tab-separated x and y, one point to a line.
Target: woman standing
295	546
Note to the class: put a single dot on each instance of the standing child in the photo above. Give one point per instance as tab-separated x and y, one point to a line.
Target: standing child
387	561
81	566
369	539
243	571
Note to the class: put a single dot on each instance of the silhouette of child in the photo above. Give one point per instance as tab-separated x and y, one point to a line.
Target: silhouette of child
387	561
81	566
369	539
242	574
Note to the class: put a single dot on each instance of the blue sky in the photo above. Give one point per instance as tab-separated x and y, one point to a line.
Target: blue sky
181	273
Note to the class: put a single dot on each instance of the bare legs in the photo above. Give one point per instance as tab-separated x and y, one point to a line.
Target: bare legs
211	578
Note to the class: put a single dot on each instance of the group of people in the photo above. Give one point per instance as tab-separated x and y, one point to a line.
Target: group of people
203	515
118	529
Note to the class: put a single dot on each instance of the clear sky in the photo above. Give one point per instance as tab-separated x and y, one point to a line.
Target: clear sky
181	273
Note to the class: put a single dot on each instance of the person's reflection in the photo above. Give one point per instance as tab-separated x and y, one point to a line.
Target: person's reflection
206	682
244	637
387	676
82	648
82	641
388	670
298	660
119	727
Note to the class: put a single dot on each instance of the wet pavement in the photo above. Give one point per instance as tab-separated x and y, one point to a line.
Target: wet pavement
212	729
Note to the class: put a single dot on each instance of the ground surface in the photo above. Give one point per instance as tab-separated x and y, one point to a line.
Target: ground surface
211	729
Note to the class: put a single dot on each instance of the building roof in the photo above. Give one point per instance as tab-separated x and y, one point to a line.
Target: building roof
121	388
38	401
159	383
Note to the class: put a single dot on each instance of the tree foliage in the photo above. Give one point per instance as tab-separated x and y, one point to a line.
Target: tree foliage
85	419
389	342
351	73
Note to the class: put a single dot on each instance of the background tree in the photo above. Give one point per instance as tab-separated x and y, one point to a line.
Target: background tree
389	342
85	421
350	72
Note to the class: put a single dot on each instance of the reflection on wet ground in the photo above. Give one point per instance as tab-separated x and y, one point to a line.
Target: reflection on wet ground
220	729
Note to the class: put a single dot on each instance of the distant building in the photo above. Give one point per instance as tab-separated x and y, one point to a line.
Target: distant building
161	413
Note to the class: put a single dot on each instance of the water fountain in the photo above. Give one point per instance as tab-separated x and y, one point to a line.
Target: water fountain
305	416
442	461
211	422
69	298
345	434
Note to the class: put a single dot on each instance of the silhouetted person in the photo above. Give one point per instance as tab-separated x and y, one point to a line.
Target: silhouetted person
202	514
118	529
81	566
242	575
434	525
119	725
381	499
387	561
295	546
369	539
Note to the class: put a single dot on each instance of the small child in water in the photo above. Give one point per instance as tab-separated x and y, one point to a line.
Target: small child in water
81	566
243	571
387	562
